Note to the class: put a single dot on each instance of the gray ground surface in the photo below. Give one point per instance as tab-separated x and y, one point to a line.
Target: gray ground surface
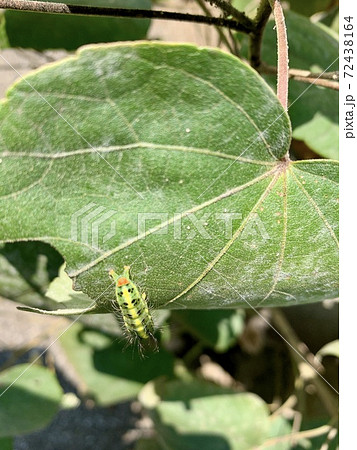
85	429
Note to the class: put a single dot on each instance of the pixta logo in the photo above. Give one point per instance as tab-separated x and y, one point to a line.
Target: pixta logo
86	224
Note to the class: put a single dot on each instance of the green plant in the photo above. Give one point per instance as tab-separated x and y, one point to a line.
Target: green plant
177	160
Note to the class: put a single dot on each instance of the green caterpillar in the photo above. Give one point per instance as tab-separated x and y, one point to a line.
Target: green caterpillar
133	307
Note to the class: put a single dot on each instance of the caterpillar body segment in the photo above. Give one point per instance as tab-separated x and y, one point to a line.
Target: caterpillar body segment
133	307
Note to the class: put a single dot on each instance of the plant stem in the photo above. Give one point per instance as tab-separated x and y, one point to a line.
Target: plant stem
314	432
283	58
256	37
325	79
308	373
63	8
288	405
230	10
319	82
222	36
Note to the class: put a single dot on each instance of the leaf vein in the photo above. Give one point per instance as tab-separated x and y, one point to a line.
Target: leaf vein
171	221
136	145
30	186
224	250
316	207
283	240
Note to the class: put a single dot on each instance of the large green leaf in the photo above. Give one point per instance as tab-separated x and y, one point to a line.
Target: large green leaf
43	31
313	110
30	399
200	415
107	372
188	142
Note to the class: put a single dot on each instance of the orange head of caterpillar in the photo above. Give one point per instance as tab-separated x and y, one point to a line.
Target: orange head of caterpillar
122	281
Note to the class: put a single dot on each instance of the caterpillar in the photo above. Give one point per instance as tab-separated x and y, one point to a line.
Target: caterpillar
133	307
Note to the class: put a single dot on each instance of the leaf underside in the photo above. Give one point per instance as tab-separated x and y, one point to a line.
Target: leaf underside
170	159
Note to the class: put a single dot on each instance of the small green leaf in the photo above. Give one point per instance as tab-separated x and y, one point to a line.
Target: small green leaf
249	7
108	369
30	399
26	269
71	302
60	290
331	349
309	7
305	7
331	19
319	134
219	329
199	415
278	427
45	31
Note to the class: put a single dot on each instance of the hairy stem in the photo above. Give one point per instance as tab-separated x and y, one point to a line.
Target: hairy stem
283	57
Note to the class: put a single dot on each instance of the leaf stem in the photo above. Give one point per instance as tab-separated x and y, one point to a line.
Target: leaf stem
283	57
244	25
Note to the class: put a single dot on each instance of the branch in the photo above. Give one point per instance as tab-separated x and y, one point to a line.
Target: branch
314	78
256	37
230	10
324	83
63	8
221	34
307	373
297	436
325	79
